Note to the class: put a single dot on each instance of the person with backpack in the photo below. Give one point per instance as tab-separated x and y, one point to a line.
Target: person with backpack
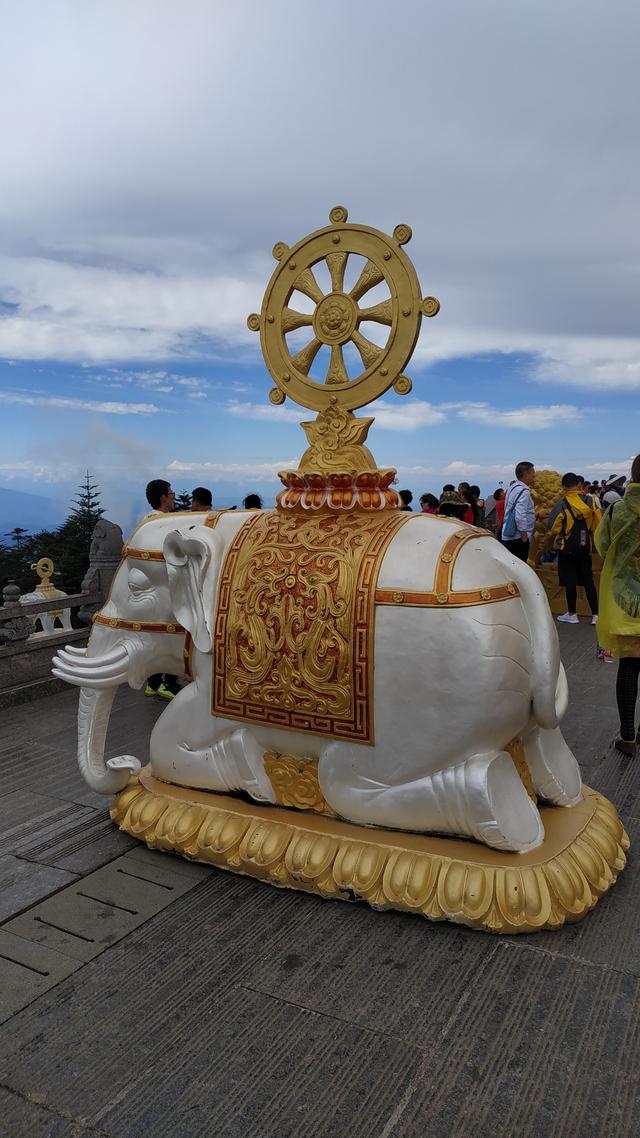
617	540
519	512
572	535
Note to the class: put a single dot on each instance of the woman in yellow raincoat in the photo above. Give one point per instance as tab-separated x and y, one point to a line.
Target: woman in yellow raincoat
617	540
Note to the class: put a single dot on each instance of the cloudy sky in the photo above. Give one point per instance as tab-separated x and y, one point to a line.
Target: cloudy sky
153	151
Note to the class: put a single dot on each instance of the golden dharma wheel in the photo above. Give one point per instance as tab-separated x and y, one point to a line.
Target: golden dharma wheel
350	376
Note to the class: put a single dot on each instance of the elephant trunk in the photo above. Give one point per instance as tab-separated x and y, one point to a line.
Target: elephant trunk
93	720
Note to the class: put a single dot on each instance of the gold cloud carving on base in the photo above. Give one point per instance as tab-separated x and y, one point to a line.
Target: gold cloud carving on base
439	878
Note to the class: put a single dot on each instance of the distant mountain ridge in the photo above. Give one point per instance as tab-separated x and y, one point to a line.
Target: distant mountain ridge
32	512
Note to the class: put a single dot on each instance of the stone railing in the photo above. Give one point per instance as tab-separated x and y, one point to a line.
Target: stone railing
25	655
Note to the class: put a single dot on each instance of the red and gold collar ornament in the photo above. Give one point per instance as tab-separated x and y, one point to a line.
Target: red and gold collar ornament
138	625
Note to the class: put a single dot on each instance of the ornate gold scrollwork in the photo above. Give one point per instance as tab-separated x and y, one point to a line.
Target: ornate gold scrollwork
295	782
294	622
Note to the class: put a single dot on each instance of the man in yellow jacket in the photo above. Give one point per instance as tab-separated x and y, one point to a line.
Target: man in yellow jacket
572	533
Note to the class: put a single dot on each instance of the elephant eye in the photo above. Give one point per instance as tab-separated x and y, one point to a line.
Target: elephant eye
138	581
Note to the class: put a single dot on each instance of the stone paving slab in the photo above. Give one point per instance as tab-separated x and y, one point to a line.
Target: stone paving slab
390	972
542	1048
25	763
23	883
24	1119
26	971
168	860
183	1049
57	833
618	777
101	908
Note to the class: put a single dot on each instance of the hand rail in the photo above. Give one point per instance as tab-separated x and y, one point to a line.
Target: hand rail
32	608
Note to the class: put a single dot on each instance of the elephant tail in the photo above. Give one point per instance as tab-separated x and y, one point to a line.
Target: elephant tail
549	691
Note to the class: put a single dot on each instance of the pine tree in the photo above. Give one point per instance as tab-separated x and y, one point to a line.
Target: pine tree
17	535
183	500
74	536
87	510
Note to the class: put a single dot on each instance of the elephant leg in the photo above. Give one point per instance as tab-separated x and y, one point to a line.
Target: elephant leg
554	769
481	797
234	762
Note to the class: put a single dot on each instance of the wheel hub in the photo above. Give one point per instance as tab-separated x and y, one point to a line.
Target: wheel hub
335	319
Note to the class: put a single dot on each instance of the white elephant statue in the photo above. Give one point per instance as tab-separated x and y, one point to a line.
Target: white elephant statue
454	678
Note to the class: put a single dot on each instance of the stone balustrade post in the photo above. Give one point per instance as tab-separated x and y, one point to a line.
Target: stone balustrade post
105	554
17	627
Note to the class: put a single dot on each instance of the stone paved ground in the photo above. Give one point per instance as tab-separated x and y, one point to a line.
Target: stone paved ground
143	995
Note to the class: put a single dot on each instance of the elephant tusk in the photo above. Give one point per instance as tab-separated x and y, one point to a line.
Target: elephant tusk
74	651
114	655
89	683
110	672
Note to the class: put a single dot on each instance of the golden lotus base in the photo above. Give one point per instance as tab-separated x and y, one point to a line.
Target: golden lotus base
444	879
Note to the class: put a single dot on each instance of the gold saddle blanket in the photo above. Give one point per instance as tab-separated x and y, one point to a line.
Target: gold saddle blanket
294	625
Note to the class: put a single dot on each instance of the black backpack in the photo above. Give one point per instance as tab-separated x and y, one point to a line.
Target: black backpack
578	540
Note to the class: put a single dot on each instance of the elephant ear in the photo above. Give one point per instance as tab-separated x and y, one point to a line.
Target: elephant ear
193	558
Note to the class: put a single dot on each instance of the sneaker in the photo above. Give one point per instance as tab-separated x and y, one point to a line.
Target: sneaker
599	653
164	693
149	691
608	657
594	618
569	618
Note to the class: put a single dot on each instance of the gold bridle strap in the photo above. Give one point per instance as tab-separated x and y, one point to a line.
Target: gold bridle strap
210	522
138	625
144	554
461	599
443	595
186	653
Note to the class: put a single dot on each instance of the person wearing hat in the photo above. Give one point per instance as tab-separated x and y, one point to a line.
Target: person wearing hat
613	491
451	505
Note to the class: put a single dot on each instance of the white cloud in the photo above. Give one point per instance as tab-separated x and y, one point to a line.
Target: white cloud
88	312
65	404
405	416
266	411
231	472
524	418
190	381
37	471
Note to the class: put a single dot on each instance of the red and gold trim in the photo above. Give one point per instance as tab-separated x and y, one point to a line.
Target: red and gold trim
138	625
460	599
186	654
443	594
144	554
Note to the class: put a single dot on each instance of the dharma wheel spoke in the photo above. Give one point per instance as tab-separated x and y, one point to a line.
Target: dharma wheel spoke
305	358
336	264
380	313
292	320
370	352
337	372
308	284
369	278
